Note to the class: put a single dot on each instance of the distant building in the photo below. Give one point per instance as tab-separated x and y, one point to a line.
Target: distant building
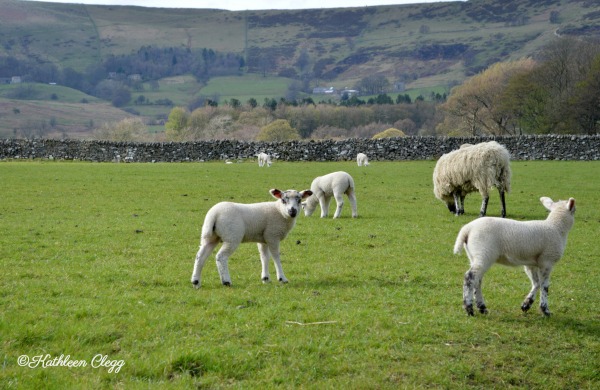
349	92
15	80
323	91
135	77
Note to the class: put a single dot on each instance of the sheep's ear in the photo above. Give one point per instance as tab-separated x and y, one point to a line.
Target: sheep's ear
547	202
306	193
276	193
571	204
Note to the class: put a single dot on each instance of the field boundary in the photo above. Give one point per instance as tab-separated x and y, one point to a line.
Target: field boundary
530	147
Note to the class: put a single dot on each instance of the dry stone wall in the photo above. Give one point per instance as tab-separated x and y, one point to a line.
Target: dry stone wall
544	147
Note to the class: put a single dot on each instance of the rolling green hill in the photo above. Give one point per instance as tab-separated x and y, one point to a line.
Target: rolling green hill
416	43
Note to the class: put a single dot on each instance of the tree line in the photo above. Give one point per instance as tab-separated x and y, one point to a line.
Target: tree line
304	119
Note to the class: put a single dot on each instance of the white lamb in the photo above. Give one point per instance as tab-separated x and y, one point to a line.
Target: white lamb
335	184
362	160
265	223
537	245
263	159
472	168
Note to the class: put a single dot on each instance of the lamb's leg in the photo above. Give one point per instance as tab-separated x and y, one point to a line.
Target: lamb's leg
222	256
479	295
352	199
503	201
265	255
472	286
468	291
324	202
339	200
203	253
532	272
484	204
462	204
274	249
544	276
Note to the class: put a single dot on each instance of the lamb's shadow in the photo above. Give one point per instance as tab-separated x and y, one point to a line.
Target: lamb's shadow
560	321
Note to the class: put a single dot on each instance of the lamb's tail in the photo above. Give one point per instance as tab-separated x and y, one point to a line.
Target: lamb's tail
350	184
461	239
209	225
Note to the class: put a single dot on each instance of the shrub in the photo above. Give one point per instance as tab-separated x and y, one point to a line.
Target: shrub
278	130
390	133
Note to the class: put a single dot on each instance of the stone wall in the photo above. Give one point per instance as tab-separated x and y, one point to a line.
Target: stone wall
545	147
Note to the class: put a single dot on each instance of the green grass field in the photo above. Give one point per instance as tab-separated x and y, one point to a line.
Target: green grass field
96	263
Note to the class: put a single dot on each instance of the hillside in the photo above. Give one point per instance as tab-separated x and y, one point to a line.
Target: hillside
52	111
420	44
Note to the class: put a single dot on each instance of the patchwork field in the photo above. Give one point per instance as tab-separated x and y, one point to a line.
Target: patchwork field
96	263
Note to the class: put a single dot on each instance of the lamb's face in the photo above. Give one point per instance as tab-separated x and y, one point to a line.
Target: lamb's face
309	207
291	200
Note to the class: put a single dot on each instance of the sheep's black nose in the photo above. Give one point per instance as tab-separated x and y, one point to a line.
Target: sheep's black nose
293	212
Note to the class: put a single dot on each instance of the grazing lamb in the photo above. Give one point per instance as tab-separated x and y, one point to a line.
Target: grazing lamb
537	245
263	159
472	168
265	223
335	184
362	160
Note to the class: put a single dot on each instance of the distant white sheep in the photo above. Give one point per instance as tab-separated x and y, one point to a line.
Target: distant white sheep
335	184
263	159
472	168
362	160
537	245
265	223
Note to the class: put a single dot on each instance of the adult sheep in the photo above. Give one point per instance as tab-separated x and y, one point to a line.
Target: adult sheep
537	245
264	159
362	160
335	184
265	223
472	168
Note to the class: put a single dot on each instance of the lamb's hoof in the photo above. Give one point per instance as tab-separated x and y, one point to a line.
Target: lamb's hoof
526	305
469	310
196	284
227	284
545	311
483	309
266	279
283	280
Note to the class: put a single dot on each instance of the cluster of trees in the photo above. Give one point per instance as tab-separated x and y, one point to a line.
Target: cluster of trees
559	92
307	120
156	63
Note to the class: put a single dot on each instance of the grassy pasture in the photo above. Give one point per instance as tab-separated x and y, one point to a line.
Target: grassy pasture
245	87
96	260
